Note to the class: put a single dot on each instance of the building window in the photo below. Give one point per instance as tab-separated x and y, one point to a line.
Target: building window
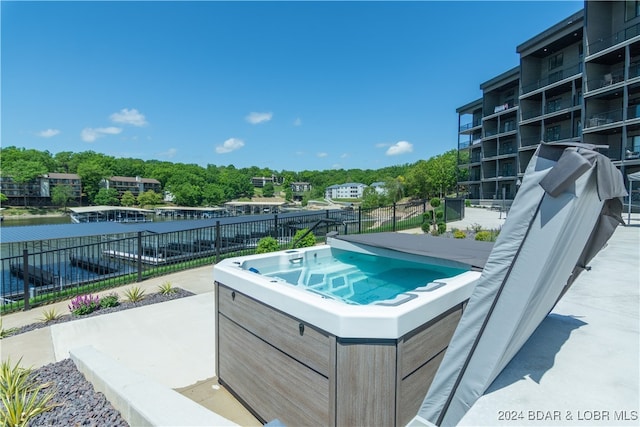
632	9
554	105
552	133
555	61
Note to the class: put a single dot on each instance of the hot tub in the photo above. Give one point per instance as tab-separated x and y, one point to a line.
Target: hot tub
297	340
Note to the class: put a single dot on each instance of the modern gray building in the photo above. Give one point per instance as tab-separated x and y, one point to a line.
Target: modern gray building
577	81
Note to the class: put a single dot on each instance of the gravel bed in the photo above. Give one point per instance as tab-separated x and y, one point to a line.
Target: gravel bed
148	300
79	403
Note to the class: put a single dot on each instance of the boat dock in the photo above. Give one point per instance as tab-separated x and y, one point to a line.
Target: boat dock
95	265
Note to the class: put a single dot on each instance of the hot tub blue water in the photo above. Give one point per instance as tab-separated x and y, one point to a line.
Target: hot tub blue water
357	278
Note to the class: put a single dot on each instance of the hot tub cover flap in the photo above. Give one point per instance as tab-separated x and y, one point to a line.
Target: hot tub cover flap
469	252
566	209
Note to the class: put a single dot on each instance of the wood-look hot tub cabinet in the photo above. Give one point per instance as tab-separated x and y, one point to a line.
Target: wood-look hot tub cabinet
281	367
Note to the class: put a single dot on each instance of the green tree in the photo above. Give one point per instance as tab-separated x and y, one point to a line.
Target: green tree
61	195
370	198
128	199
23	172
3	198
268	190
106	197
213	195
186	194
149	198
288	194
92	172
394	189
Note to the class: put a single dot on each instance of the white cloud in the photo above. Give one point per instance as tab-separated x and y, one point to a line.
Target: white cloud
131	117
321	155
344	155
48	133
170	153
297	122
382	145
231	144
400	147
256	118
91	134
336	166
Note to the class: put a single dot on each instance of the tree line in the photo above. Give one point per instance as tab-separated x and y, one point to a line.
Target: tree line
211	185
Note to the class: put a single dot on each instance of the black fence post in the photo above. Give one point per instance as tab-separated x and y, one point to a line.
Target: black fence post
25	277
275	226
139	258
359	219
394	217
218	241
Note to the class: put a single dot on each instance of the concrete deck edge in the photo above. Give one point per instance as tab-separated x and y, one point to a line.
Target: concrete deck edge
140	400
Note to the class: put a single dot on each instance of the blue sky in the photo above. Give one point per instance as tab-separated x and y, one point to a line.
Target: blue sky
280	85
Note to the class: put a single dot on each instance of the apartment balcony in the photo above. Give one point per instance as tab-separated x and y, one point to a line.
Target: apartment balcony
529	142
559	136
603	43
501	109
606	80
603	119
468	126
556	76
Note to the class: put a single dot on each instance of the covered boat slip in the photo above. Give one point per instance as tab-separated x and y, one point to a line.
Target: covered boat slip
109	214
568	206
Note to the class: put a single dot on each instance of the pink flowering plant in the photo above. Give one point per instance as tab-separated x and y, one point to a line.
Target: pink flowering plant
84	304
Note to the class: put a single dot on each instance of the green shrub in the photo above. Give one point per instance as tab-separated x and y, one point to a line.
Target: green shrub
110	300
476	227
5	332
442	228
166	288
134	294
84	304
21	396
304	242
439	215
426	226
266	245
435	202
467	203
50	315
459	234
483	236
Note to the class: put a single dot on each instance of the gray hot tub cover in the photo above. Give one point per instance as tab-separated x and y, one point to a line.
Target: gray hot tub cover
565	211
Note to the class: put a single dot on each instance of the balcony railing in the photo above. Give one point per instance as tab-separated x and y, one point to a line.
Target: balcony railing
530	141
556	76
558	136
606	42
606	79
602	119
470	125
509	149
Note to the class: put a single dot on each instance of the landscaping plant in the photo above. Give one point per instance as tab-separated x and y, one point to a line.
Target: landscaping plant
50	315
266	245
84	304
5	332
134	294
166	289
306	241
110	300
21	396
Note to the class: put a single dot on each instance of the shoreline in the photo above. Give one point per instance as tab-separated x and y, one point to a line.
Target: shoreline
30	216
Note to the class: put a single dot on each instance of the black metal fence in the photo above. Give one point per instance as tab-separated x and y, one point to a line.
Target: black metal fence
51	271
